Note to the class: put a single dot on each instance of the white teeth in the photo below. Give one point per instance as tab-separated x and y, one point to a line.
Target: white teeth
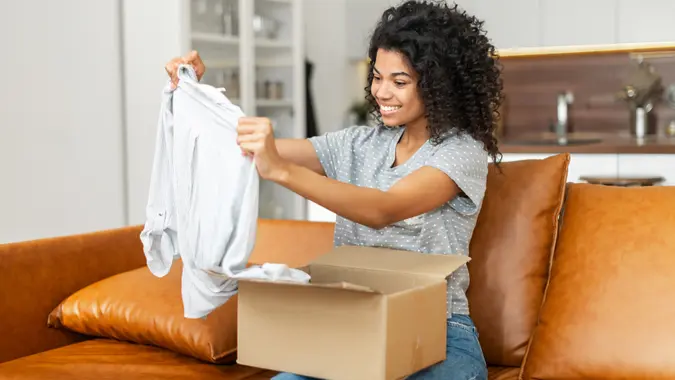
389	108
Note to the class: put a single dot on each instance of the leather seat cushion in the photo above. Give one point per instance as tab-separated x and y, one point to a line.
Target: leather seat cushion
503	373
510	252
607	312
138	307
109	359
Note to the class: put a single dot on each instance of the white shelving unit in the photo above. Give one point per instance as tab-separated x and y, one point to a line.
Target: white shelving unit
255	50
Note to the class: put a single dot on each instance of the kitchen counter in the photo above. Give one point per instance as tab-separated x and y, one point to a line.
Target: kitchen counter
588	143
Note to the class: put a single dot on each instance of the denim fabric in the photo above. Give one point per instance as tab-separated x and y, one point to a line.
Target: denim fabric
464	360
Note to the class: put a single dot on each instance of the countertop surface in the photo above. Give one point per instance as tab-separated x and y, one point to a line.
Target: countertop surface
588	142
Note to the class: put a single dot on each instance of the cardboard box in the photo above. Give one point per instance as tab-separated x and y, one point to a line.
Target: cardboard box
368	313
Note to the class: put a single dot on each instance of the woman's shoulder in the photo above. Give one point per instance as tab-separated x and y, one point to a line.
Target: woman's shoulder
460	141
361	133
461	146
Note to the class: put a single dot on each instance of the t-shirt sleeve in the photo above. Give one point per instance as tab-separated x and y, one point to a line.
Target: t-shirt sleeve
330	148
466	162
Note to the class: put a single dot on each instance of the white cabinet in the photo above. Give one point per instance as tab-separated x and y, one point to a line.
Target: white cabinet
510	24
662	165
577	22
645	21
605	165
601	165
316	213
255	50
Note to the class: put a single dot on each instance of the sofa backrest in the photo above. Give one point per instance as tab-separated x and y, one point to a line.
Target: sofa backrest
608	311
510	252
37	275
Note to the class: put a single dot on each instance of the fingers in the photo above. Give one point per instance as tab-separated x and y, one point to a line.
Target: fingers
195	60
250	142
172	69
250	148
254	124
255	136
191	58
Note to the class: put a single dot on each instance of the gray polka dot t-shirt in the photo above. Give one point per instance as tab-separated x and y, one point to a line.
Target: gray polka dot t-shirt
363	156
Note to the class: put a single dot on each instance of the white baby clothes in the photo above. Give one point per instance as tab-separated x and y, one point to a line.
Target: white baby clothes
203	199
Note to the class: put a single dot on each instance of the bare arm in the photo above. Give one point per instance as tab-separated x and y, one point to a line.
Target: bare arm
295	165
423	190
300	152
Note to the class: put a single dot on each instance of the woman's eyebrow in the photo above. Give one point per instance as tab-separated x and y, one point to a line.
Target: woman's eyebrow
403	73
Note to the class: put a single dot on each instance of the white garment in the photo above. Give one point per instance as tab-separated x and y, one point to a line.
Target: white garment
203	199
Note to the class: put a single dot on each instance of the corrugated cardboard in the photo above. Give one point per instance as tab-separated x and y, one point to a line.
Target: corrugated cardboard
368	313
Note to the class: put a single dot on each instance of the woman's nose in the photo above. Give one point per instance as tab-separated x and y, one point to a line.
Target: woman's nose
383	92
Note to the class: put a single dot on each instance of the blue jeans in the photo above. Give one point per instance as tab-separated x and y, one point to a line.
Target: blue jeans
464	359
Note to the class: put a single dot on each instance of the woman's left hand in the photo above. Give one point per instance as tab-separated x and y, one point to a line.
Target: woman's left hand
256	138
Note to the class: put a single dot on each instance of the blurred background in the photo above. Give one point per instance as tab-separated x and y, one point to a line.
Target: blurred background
82	79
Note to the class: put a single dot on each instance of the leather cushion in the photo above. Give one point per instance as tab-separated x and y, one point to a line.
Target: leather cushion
510	251
108	359
607	312
138	307
503	373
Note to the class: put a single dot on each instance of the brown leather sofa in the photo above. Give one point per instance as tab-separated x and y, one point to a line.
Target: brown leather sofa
568	282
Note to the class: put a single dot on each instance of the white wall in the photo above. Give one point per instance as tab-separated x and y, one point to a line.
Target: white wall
77	86
325	46
151	39
61	157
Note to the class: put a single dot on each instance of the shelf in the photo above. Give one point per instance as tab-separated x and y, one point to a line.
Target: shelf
258	57
234	40
270	43
274	103
266	102
215	38
229	64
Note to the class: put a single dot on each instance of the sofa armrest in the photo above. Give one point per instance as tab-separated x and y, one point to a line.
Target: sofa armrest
35	276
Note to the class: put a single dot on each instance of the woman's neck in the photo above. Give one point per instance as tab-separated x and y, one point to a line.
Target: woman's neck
415	134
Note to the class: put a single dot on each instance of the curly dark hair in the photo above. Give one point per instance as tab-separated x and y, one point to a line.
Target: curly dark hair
458	70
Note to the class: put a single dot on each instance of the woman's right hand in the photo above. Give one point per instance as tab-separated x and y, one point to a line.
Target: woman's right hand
191	58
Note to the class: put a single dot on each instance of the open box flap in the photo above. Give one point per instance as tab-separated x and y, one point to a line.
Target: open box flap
376	258
330	285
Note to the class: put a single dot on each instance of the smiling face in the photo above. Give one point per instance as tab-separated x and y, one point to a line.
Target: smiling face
394	87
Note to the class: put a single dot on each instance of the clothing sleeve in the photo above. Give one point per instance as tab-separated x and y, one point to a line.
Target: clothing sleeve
466	162
331	147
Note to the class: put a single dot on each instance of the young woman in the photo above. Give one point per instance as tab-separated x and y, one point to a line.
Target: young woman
415	181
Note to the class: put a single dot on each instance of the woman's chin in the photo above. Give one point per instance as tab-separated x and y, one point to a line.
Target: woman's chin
390	122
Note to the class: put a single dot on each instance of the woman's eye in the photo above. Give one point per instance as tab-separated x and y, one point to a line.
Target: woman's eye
376	78
400	84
